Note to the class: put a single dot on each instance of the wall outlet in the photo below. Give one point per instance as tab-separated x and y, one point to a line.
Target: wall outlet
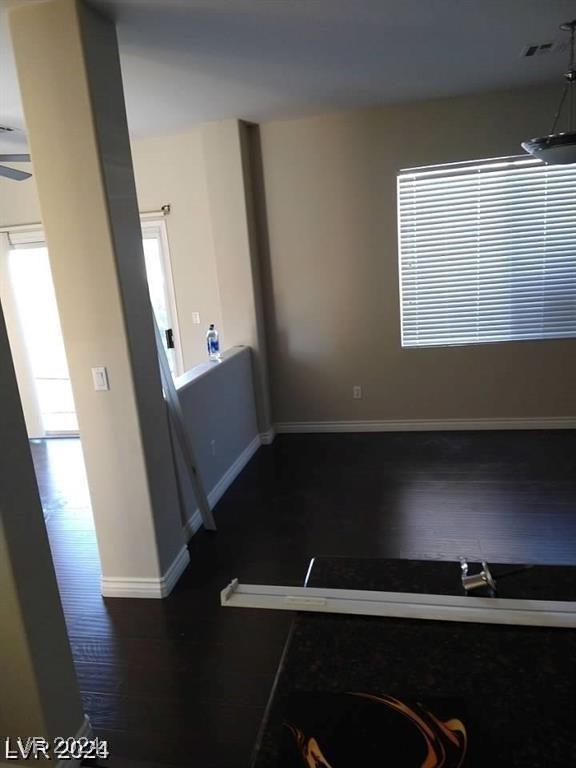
357	392
213	447
196	318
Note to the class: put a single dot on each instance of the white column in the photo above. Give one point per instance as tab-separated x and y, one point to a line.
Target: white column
69	74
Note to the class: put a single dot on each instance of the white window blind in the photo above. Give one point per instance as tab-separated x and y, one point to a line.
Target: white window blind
487	252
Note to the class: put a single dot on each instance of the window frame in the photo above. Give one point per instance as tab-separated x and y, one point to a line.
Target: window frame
446	168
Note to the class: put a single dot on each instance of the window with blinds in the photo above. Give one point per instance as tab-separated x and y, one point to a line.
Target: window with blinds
487	252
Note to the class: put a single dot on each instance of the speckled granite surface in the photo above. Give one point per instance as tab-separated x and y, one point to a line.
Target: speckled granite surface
517	683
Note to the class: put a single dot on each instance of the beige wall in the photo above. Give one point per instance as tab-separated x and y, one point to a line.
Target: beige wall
171	170
228	174
19	202
332	284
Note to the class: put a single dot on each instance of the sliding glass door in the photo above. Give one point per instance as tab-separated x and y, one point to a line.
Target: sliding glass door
39	335
29	269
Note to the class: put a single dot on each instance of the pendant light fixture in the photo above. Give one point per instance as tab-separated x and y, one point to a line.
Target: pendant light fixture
560	147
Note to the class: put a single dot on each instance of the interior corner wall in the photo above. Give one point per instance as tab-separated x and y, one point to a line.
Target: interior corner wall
228	175
257	243
332	278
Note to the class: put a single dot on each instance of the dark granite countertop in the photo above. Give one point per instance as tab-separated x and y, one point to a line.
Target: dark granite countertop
515	685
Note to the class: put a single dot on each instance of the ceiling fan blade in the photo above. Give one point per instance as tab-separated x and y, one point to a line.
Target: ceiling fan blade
15	158
13	173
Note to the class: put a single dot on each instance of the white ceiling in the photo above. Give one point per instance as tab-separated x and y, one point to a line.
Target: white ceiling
186	61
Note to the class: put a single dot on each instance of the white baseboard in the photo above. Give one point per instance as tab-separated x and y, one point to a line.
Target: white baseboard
267	438
232	472
427	425
194	523
147	587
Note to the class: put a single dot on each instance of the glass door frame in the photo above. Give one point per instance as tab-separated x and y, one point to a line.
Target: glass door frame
154	225
28	237
21	360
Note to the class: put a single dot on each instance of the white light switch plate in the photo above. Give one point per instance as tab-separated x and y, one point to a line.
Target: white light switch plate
196	318
100	379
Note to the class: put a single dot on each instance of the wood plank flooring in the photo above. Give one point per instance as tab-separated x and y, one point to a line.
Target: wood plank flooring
182	682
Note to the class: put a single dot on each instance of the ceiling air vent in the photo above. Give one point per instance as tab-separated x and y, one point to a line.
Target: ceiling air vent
539	49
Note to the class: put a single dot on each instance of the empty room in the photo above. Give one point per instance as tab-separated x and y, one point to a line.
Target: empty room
288	383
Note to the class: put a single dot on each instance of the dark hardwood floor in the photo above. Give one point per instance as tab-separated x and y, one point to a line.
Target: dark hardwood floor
182	682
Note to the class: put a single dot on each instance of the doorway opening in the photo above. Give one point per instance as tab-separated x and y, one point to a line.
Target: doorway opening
36	334
32	320
161	288
29	270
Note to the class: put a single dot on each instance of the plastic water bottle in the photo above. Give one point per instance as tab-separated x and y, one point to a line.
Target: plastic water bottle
212	343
